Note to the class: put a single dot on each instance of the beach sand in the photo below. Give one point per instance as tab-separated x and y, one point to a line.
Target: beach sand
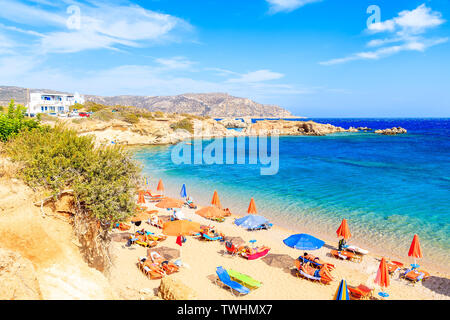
201	258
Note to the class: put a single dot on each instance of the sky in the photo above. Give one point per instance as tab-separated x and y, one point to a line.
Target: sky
316	58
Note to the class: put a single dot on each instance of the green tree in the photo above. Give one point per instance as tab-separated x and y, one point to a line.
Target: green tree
14	121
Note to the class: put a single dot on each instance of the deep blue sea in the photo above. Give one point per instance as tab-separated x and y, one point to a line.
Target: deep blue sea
387	187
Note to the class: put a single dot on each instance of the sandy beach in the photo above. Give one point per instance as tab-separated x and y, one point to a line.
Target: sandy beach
201	258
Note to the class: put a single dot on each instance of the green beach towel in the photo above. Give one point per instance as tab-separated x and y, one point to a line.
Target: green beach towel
244	279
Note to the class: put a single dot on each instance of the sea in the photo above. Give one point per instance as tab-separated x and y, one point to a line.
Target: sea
387	187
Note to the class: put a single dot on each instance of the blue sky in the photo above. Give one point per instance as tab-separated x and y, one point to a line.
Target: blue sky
317	58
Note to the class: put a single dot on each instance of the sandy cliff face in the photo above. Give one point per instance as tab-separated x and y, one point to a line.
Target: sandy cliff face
40	250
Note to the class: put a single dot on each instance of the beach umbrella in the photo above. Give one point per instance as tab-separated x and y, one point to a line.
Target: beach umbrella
303	241
170	203
343	230
183	191
160	186
140	216
415	251
251	221
382	278
210	212
342	291
215	200
141	198
180	228
252	207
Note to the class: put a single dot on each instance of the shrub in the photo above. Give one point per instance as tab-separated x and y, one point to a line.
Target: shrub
103	179
130	117
185	124
14	121
103	115
159	114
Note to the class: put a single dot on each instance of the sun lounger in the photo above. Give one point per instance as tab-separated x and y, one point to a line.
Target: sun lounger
224	278
321	275
415	275
167	266
360	292
151	270
344	255
256	255
315	262
208	237
264	226
244	279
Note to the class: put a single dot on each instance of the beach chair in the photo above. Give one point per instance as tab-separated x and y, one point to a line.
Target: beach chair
264	226
415	275
316	262
153	197
167	266
360	292
322	276
224	279
211	238
253	254
152	271
231	249
244	279
123	227
344	255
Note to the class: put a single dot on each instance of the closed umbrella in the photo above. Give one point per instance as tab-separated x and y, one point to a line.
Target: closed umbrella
415	251
303	241
141	199
342	291
183	191
215	200
160	186
343	230
252	207
382	278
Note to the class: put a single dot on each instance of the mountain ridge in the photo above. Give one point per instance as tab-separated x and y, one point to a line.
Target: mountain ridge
215	104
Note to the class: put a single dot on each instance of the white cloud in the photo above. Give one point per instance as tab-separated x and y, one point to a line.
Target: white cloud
102	25
175	62
257	76
407	31
287	5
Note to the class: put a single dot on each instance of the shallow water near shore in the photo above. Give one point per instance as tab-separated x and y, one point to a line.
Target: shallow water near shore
388	187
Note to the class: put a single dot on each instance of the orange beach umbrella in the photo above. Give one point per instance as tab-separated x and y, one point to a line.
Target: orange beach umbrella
180	228
141	198
170	203
252	207
210	212
382	278
415	251
215	200
160	186
343	230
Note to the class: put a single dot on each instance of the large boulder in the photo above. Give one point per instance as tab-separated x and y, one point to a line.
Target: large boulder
17	277
172	289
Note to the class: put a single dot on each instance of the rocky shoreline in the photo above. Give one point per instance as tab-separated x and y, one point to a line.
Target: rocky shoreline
162	131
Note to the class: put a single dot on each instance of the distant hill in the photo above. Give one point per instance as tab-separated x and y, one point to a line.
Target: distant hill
203	104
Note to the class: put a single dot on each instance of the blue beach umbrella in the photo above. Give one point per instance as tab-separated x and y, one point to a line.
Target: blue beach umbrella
303	241
251	221
342	291
183	191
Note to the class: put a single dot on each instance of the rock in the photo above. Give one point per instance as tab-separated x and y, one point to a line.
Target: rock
171	289
392	131
233	123
363	129
17	277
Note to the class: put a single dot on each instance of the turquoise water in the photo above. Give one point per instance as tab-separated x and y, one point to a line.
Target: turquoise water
388	187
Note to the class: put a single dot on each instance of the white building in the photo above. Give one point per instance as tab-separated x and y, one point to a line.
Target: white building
41	102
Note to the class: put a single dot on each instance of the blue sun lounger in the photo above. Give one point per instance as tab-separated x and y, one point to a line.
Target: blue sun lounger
224	278
204	235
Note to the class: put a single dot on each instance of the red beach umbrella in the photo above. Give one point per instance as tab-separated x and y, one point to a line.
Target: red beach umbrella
415	251
215	200
252	207
343	230
160	186
382	278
